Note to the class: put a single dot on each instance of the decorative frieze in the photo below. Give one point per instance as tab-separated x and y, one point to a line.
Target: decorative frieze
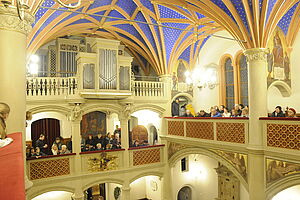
9	20
256	54
277	169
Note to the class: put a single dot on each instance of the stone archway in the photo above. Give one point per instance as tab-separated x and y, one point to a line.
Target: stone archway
185	193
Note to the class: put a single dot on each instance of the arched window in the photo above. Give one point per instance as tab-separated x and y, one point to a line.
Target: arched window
229	83
185	193
243	79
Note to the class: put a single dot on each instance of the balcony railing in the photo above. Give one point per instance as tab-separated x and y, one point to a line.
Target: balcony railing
66	86
51	86
148	89
93	162
50	166
281	133
232	130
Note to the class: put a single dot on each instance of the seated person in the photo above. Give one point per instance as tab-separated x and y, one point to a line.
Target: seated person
38	153
108	146
237	109
291	113
89	147
234	113
115	143
202	113
98	147
215	113
58	143
90	140
64	150
226	113
221	109
187	114
31	152
245	112
54	149
136	143
278	112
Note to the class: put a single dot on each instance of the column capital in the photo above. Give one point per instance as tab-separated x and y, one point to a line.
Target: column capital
9	20
257	54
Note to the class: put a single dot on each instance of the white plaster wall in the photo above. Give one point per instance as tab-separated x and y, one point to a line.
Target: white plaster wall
201	177
65	125
55	195
291	193
274	96
138	189
211	53
110	190
153	187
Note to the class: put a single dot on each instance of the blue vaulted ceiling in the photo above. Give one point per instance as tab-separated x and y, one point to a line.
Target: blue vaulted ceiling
160	46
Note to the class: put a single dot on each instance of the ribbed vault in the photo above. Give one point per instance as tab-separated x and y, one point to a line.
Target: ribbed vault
250	22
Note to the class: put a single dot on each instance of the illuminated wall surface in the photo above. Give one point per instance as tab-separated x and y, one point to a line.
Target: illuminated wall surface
292	193
55	195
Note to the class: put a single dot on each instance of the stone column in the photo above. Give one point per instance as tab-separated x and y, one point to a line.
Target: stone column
167	79
257	93
76	146
256	177
13	32
125	191
78	194
125	138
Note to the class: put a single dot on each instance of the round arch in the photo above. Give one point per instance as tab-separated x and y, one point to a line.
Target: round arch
110	108
188	96
50	108
197	150
158	174
155	108
281	185
32	194
101	180
189	189
283	87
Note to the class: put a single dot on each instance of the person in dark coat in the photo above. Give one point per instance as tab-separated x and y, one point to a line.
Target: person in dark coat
278	112
202	113
175	108
188	114
41	144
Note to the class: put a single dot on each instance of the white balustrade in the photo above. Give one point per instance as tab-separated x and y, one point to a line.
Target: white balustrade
148	89
51	86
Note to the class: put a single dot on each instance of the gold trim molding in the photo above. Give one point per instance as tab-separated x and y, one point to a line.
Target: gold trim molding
9	20
257	54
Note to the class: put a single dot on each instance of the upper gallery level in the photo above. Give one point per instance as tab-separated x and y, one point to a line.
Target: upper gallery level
91	68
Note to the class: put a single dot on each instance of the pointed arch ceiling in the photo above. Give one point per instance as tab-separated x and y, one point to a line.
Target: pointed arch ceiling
251	22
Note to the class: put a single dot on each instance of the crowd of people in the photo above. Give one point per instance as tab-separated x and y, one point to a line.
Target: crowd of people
101	142
41	148
239	110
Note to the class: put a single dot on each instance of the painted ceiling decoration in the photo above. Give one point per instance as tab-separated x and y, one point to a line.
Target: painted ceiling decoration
144	25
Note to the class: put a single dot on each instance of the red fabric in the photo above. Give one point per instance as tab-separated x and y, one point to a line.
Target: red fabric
12	184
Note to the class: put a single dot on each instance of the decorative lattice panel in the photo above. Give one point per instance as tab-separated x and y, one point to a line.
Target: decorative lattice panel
176	128
283	136
202	130
231	132
49	168
147	156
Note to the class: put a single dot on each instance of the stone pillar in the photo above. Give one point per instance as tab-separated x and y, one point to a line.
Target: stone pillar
256	177
13	32
76	146
257	92
167	79
125	138
78	194
125	191
167	178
